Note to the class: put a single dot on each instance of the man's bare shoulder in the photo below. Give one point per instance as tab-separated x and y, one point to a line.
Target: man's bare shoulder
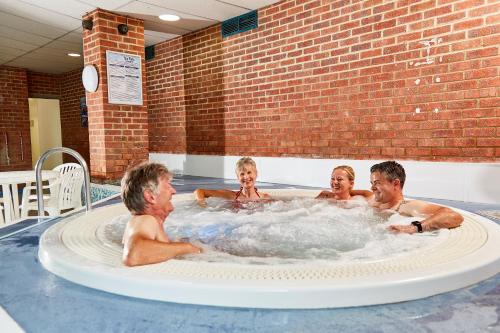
145	225
418	207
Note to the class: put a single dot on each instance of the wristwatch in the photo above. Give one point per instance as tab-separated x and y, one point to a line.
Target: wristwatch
418	225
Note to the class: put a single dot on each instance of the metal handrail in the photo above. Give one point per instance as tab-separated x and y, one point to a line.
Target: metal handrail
38	170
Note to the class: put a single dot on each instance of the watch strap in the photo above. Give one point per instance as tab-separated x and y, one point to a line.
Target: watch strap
418	224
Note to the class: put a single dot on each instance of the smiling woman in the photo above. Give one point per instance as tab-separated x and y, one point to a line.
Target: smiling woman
246	171
341	182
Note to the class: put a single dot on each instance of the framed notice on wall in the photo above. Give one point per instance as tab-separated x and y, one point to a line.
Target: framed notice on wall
124	78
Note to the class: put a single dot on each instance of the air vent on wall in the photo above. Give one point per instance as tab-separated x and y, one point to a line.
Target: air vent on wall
240	23
149	52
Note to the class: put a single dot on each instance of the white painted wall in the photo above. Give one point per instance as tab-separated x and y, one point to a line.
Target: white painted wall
473	182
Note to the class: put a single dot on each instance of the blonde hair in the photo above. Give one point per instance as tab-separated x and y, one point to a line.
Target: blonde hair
245	161
348	170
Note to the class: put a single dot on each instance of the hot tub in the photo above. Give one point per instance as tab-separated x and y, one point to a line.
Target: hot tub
83	250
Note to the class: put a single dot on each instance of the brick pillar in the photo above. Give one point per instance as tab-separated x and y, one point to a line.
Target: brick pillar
118	134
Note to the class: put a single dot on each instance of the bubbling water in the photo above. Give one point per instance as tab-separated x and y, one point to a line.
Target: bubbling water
289	230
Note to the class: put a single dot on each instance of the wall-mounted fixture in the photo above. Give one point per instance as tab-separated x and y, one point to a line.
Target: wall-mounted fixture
87	24
122	29
240	23
90	78
149	52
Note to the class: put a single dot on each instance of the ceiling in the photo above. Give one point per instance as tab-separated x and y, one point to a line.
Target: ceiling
38	34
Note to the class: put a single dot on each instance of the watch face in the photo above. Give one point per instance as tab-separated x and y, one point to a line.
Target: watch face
90	78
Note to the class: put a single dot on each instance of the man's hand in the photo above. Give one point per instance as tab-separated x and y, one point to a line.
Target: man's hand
199	195
398	228
193	249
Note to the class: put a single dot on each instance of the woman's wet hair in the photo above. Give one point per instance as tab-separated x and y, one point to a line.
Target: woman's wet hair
142	177
392	170
348	170
245	161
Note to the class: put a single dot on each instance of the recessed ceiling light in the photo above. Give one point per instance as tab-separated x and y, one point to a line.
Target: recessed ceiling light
74	54
169	17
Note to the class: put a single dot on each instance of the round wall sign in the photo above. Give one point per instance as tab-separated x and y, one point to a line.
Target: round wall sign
90	78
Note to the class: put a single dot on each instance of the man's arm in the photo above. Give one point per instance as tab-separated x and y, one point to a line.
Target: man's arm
201	194
364	193
437	217
324	195
141	248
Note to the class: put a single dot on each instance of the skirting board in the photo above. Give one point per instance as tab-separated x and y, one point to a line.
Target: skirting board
472	182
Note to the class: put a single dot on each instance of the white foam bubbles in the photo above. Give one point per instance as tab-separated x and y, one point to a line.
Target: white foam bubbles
287	231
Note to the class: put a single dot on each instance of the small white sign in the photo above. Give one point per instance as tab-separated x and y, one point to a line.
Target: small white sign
124	78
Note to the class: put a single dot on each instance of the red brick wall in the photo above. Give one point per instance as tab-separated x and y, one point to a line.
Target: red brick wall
42	85
14	120
166	107
118	134
74	136
17	85
332	79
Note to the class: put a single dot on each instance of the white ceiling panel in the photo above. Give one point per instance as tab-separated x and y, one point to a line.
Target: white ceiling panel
144	8
17	44
39	14
162	27
155	37
72	37
8	49
53	53
107	4
251	4
65	46
72	8
5	57
150	13
60	58
23	36
208	9
39	65
27	25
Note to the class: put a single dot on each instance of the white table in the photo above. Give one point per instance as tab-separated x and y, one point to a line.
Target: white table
9	181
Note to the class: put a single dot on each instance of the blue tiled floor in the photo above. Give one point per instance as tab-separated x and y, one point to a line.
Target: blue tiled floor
42	302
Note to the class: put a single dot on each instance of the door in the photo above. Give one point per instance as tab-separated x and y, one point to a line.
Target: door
45	128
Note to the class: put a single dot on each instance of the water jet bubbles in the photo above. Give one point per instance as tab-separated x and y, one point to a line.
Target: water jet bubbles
417	82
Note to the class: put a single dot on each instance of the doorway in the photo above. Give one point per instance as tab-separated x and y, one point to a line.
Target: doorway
45	129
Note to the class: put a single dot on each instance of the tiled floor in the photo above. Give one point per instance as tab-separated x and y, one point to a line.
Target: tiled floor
42	302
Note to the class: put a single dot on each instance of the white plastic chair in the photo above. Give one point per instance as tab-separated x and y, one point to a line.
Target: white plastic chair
70	192
2	220
64	193
64	168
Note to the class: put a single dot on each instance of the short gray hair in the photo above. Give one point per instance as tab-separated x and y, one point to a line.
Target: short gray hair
244	161
136	180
